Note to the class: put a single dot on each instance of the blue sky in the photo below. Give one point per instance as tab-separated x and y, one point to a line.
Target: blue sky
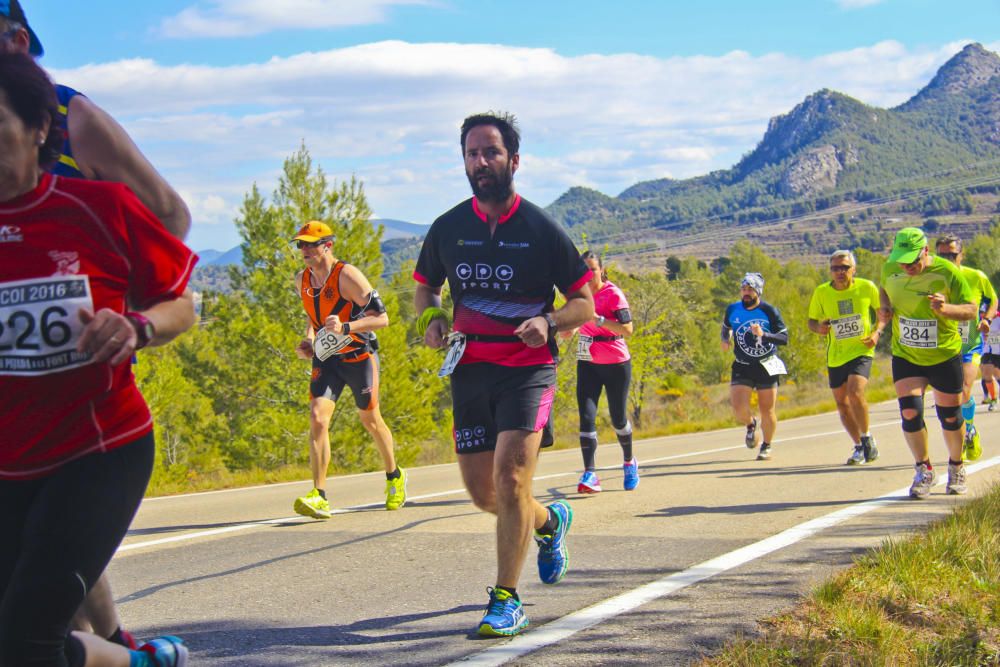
218	92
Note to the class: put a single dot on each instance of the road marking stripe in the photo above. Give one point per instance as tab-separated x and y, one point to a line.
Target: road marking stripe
567	626
173	539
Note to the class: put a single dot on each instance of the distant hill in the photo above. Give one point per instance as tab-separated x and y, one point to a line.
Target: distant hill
399	229
828	150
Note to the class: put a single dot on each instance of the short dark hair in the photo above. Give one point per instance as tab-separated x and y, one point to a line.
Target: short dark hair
590	254
505	123
947	239
32	96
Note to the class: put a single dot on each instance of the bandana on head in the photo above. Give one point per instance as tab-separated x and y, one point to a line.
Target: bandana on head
754	281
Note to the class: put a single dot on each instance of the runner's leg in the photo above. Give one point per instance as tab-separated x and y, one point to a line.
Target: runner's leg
320	412
846	412
518	513
766	398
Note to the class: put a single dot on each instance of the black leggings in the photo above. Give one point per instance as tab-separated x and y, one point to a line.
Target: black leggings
590	380
59	534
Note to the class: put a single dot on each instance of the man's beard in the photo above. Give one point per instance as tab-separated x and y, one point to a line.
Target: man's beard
750	301
497	189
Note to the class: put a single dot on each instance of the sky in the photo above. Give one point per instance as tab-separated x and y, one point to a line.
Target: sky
217	93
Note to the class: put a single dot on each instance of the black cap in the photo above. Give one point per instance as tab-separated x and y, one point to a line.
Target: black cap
12	10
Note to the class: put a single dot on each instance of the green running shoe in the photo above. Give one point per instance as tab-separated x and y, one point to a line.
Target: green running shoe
972	449
395	491
313	505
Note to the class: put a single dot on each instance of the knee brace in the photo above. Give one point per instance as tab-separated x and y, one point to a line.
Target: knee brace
946	413
912	403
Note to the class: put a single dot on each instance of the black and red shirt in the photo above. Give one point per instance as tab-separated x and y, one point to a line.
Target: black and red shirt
499	281
70	244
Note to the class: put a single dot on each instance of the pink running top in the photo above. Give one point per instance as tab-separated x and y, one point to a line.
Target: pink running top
607	300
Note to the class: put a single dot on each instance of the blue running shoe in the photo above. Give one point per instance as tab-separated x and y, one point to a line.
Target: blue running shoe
504	617
553	555
589	483
166	651
631	469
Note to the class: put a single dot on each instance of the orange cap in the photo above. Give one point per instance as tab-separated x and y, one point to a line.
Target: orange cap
313	231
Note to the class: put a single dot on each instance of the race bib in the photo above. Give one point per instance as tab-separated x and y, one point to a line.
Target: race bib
774	366
327	343
993	338
583	348
456	348
40	324
918	333
965	330
847	327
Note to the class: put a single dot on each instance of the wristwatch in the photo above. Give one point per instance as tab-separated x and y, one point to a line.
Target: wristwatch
600	320
551	322
144	329
345	328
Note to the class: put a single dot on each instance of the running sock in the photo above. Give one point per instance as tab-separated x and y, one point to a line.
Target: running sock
551	523
991	389
626	442
954	463
512	591
322	493
118	638
926	463
394	474
588	447
969	412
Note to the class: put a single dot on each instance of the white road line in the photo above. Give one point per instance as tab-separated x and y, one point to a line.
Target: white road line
569	625
173	539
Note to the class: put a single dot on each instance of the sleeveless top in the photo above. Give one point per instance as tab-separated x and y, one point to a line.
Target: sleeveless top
321	302
66	165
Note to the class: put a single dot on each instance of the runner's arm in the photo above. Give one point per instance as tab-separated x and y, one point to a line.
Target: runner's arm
355	287
104	151
818	327
579	308
426	297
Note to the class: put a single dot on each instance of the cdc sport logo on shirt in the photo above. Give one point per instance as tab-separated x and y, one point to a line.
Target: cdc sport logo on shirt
485	276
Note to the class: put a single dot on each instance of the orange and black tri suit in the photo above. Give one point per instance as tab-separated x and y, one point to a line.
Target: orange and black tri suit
355	366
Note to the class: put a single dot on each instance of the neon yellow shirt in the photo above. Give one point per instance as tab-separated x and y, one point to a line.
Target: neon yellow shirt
851	314
982	289
920	335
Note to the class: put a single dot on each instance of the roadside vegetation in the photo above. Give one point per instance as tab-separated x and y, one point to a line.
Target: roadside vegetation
930	600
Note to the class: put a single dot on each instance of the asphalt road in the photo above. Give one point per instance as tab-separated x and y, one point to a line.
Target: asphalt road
711	541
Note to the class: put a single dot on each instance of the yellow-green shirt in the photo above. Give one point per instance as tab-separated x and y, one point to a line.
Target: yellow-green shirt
851	313
982	290
919	334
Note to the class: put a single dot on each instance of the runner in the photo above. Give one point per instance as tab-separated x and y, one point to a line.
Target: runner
845	311
925	297
603	361
991	363
758	329
96	147
87	276
950	247
344	312
502	257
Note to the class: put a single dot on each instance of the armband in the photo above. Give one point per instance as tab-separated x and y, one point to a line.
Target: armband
374	303
624	316
345	328
430	314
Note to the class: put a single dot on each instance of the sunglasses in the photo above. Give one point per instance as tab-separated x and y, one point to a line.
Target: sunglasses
309	244
841	267
950	256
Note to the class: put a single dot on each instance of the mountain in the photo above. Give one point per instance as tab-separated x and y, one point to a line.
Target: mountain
829	149
399	229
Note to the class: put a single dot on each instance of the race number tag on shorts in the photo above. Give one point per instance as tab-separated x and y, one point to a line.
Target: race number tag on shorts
774	366
456	348
40	324
583	348
993	338
918	333
847	327
328	343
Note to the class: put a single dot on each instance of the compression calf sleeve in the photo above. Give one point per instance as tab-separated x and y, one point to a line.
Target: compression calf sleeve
588	447
625	440
969	411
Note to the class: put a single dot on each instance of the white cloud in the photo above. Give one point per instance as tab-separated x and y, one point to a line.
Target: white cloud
389	113
241	18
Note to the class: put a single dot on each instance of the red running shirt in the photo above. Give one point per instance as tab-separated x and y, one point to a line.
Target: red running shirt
66	245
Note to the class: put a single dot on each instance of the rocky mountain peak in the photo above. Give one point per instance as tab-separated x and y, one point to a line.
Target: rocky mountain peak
972	67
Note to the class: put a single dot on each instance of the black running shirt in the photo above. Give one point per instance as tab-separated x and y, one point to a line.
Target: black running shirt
497	283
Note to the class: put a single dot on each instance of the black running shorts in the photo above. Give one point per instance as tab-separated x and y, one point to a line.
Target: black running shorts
488	399
946	376
329	378
753	375
858	366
